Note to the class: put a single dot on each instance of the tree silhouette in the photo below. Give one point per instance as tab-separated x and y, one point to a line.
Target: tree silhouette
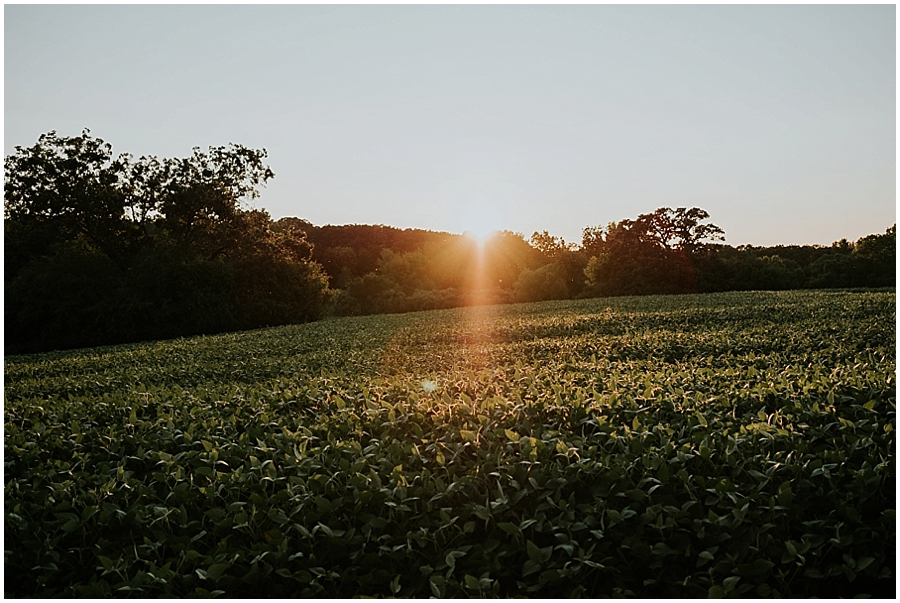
146	248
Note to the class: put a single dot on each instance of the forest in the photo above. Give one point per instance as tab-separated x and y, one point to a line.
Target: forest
102	250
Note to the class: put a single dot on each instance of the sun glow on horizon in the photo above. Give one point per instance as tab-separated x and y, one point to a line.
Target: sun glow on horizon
481	221
480	234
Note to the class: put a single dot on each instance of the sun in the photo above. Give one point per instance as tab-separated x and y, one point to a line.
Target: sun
480	234
482	222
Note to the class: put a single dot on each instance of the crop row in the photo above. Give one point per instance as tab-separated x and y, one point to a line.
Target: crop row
737	444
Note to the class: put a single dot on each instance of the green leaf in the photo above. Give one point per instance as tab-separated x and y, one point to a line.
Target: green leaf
471	582
278	516
512	436
451	557
758	475
864	563
71	525
550	575
215	571
106	562
530	566
716	592
510	528
534	553
785	494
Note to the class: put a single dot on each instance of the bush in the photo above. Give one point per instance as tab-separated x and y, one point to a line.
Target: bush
542	284
63	301
170	296
277	291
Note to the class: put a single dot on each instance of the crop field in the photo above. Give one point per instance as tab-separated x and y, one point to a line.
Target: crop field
738	444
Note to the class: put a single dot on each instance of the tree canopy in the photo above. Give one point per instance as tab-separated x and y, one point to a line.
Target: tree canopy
128	248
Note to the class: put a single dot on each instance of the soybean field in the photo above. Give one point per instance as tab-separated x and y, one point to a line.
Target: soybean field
735	444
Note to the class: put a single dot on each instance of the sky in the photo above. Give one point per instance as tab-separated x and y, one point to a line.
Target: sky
778	120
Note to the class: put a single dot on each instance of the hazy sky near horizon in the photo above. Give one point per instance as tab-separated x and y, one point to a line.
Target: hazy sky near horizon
778	120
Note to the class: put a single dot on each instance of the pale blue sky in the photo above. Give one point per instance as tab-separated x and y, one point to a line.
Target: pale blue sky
780	121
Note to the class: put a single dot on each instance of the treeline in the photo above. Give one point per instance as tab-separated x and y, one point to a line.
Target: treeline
378	269
102	250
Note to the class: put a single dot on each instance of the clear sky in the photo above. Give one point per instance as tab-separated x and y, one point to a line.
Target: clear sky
780	121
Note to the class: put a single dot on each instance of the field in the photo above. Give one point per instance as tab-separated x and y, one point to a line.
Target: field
735	444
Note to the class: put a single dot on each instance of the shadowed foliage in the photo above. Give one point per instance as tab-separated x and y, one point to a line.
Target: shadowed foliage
737	444
102	249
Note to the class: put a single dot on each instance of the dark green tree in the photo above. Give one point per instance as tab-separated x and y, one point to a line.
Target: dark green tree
682	229
540	284
64	188
654	253
878	256
567	260
102	249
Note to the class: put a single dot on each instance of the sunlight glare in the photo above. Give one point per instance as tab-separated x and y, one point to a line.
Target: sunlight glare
481	222
480	234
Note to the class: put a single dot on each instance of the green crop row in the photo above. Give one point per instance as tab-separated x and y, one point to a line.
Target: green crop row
681	446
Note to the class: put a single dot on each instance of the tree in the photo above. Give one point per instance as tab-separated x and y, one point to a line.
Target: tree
593	240
653	253
878	254
568	262
407	272
154	247
506	254
275	280
203	196
550	247
62	188
834	270
681	229
774	273
63	301
540	284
